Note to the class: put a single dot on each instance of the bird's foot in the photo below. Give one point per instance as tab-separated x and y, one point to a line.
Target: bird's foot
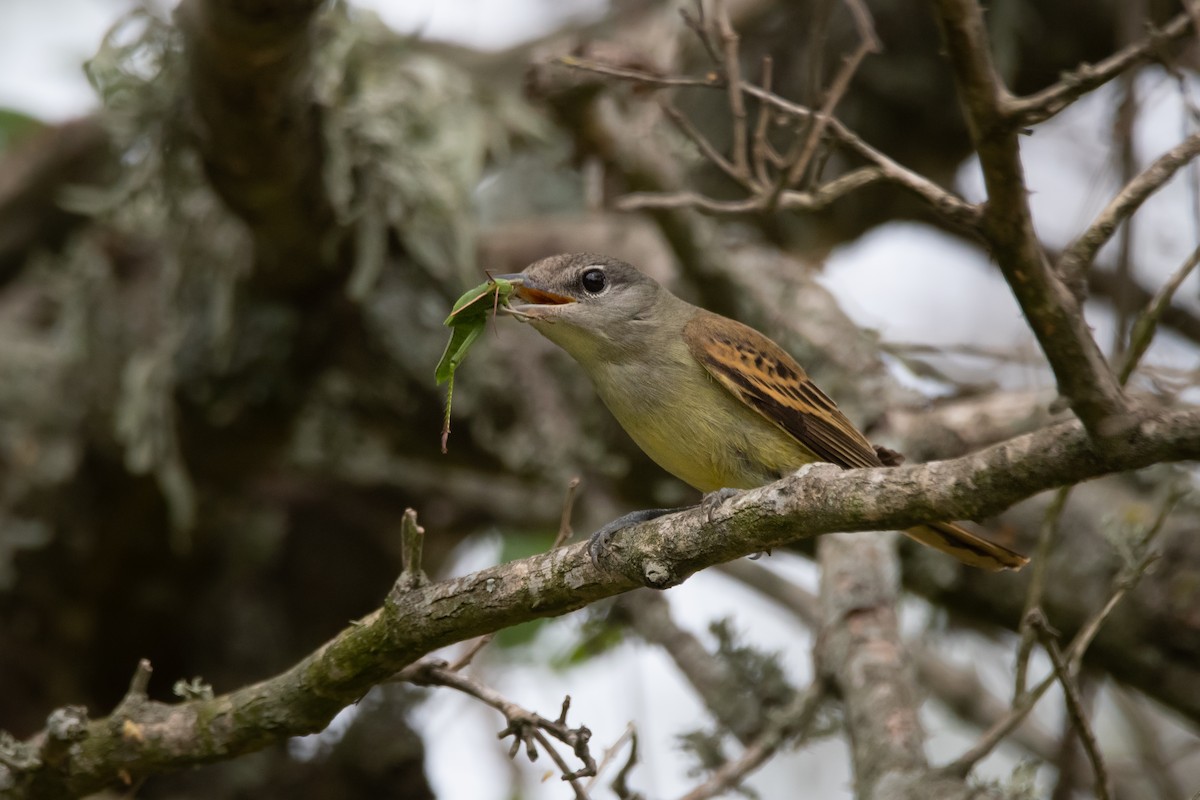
712	501
600	540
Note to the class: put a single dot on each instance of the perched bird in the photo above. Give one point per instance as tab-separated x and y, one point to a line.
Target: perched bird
712	401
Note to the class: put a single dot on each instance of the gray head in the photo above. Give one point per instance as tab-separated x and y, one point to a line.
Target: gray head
590	305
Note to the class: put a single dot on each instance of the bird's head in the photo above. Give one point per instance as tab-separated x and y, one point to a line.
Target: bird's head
588	304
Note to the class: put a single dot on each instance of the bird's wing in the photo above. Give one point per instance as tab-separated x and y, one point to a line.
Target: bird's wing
763	376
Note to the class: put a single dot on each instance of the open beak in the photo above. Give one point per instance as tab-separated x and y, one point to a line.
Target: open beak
532	298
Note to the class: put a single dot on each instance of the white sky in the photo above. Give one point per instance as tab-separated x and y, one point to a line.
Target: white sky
957	297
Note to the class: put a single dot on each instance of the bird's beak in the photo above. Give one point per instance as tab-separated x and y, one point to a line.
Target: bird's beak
533	298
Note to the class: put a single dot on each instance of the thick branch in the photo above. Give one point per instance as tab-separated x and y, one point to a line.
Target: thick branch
660	553
1054	315
860	652
257	127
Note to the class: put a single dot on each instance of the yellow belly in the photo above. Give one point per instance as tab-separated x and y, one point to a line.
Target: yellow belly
701	434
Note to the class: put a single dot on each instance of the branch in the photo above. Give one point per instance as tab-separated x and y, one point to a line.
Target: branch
1053	312
1078	256
1043	105
859	652
1075	705
524	726
946	203
663	552
249	87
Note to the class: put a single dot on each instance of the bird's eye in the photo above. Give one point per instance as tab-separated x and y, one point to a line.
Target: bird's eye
593	281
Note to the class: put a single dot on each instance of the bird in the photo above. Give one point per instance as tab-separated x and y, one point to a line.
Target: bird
711	400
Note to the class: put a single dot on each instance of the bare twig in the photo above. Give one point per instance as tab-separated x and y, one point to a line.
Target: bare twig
463	661
706	148
798	162
699	26
610	752
526	727
1022	705
564	521
733	81
1155	767
1075	707
949	205
412	538
1141	333
1037	583
761	147
620	783
815	200
1076	258
1042	105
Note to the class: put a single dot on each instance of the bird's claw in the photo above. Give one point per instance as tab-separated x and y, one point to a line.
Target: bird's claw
599	541
712	501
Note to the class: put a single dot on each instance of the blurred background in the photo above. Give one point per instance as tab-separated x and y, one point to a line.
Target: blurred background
217	391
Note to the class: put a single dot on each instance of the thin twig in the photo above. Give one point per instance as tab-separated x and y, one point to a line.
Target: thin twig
1037	583
706	148
1075	707
412	537
799	162
463	661
1074	653
564	521
761	147
815	200
526	727
947	204
1141	333
1078	256
733	81
699	26
1043	105
1155	766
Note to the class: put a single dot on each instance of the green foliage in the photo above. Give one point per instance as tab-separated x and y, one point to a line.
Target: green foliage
708	748
761	672
15	126
598	635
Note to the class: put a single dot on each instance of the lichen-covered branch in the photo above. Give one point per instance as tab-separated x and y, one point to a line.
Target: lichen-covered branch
147	737
860	654
256	125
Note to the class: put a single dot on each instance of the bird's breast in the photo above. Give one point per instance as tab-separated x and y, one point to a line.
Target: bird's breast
694	428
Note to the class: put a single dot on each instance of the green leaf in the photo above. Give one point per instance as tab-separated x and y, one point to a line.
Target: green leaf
466	321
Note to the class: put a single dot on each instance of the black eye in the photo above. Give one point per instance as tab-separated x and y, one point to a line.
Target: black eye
593	281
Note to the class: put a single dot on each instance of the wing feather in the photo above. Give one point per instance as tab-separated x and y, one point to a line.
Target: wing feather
763	376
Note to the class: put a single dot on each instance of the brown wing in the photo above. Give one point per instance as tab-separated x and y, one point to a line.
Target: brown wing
763	376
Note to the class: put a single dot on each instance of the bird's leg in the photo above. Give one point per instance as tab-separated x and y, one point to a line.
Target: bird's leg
600	540
711	501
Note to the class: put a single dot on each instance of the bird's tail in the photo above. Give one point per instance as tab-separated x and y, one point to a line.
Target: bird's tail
968	548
